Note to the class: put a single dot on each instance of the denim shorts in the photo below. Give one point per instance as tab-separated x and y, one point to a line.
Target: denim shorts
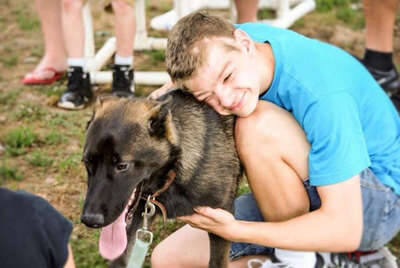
381	215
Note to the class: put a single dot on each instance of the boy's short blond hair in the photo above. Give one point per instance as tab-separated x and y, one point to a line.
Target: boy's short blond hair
181	58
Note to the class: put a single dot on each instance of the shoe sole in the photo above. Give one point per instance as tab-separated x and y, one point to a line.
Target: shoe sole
70	106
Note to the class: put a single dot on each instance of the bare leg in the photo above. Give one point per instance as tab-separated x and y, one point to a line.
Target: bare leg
246	10
125	27
70	261
188	247
275	172
73	27
379	18
54	49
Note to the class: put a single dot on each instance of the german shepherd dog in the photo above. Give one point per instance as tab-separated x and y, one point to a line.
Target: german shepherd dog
131	146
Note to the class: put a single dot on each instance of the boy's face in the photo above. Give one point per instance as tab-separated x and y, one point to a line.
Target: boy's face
228	79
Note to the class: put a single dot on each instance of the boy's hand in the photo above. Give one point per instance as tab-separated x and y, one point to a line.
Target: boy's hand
167	87
217	221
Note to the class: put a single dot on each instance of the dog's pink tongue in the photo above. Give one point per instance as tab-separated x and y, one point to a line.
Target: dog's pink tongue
113	240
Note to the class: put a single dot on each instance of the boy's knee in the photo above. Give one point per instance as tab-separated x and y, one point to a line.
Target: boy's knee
121	7
72	6
162	257
255	131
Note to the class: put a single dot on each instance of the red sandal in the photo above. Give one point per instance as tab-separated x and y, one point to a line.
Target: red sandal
32	78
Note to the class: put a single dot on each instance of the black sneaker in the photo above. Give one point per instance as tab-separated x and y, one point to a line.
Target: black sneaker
123	82
78	92
388	80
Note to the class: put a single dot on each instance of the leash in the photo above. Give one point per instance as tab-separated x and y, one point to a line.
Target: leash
144	237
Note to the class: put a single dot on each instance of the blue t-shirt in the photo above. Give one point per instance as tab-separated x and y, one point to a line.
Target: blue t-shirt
348	119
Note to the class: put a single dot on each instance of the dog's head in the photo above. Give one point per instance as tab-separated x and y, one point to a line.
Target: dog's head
127	140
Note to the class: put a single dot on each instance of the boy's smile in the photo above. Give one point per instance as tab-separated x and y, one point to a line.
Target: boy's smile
231	78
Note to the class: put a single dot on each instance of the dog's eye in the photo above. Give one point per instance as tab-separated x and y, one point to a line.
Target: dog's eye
122	166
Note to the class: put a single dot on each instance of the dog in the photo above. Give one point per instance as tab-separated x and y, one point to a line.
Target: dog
134	145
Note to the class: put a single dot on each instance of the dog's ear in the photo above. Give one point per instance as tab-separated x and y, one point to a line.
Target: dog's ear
161	123
90	120
102	102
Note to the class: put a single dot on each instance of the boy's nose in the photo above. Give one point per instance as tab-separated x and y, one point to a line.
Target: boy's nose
225	96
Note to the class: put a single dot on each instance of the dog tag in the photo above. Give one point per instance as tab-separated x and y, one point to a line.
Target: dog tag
140	249
143	238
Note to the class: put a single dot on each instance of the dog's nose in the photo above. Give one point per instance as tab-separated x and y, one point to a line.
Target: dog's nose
94	220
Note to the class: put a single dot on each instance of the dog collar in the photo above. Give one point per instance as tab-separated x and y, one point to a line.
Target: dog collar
170	178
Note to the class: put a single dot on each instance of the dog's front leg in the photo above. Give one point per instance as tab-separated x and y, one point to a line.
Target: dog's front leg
219	252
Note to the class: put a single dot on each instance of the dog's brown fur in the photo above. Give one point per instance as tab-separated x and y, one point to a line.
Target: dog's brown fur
176	133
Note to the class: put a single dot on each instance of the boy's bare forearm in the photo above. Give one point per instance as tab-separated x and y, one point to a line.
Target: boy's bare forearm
333	228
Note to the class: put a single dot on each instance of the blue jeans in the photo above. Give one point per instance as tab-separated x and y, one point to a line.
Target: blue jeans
381	215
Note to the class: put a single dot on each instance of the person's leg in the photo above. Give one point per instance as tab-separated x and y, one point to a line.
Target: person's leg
70	261
189	248
275	171
379	19
125	31
381	214
78	91
55	56
125	27
246	10
274	151
73	27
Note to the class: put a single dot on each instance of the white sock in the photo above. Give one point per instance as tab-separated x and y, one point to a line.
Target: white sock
78	62
119	60
303	259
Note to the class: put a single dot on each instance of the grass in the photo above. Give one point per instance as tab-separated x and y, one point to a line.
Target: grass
69	163
19	139
9	61
29	112
54	138
39	159
8	98
26	21
8	173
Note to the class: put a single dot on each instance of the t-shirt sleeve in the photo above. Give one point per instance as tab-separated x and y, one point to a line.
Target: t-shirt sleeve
338	148
56	230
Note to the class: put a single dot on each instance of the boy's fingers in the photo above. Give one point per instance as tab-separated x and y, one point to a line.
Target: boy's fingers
161	91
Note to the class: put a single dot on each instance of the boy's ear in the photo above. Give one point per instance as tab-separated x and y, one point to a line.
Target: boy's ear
244	40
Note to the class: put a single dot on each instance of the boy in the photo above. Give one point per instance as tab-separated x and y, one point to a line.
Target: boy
79	91
319	140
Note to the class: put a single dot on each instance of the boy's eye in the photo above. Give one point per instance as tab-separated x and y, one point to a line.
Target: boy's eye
227	77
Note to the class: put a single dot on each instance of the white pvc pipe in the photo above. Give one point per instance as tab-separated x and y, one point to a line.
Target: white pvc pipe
146	78
140	9
150	43
283	9
287	20
102	55
88	30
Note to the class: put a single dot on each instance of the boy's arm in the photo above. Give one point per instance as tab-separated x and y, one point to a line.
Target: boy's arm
335	227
